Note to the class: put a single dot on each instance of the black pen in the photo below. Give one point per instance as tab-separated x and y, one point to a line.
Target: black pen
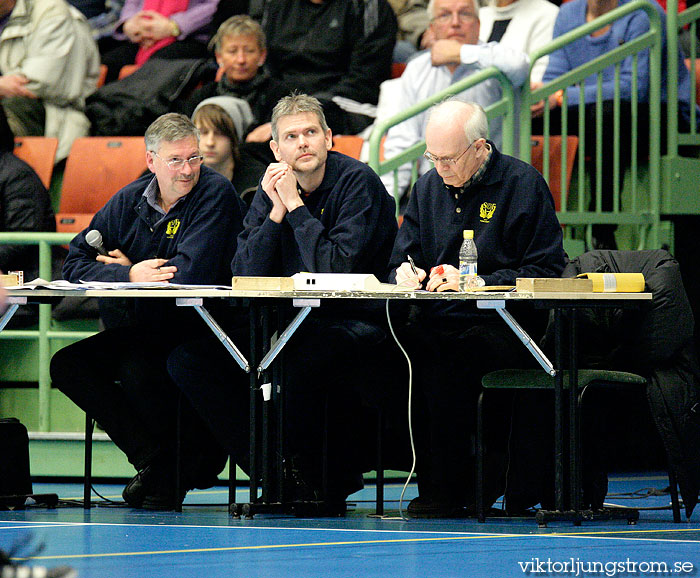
413	265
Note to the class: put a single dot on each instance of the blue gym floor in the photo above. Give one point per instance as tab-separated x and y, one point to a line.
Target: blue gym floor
202	541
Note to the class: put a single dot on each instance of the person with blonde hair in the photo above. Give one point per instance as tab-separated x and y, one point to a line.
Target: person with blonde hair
240	49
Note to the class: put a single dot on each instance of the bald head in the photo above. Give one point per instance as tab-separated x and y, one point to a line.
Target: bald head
456	120
453	129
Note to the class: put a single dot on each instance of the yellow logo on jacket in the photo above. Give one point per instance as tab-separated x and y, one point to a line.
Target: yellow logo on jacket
486	211
172	228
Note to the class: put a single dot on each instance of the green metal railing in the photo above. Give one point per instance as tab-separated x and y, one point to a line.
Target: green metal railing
675	23
44	333
680	172
645	216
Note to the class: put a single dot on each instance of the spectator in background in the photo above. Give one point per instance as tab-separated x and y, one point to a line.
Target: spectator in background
102	15
226	9
219	145
239	47
162	28
24	206
572	15
413	21
455	54
525	25
336	50
48	66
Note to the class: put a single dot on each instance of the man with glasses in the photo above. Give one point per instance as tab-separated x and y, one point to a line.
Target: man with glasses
507	204
176	225
455	53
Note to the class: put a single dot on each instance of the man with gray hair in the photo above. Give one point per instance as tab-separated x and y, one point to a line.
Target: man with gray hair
319	211
508	206
455	53
176	225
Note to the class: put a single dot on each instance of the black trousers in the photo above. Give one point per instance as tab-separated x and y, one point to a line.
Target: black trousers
326	364
448	366
119	378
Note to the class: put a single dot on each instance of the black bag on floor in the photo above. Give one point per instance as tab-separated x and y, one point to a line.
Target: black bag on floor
14	463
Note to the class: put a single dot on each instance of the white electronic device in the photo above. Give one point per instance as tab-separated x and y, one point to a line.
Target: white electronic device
339	282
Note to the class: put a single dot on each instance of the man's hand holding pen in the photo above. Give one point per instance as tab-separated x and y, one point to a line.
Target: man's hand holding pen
408	276
442	277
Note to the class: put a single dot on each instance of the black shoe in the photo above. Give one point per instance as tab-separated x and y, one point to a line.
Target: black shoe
142	484
152	489
429	508
164	498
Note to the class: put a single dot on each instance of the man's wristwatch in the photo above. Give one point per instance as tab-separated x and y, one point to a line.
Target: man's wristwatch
175	29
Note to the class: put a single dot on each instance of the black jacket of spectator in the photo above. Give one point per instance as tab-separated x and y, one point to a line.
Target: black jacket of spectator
337	48
261	93
24	206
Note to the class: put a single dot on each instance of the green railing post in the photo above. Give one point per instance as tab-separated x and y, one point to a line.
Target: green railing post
651	40
44	242
672	88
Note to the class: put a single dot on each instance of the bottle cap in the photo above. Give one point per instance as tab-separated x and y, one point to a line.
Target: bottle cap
468	234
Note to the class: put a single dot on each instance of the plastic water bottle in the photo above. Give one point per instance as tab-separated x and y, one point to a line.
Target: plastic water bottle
467	261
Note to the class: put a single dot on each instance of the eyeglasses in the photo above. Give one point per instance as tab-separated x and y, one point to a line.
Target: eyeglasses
177	164
463	17
445	160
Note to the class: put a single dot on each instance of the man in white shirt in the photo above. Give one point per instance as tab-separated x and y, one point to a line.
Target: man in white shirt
521	24
455	53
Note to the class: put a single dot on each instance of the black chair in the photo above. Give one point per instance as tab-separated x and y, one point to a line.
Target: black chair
536	379
654	341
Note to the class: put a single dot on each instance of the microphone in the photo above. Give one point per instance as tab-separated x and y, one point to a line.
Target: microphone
94	239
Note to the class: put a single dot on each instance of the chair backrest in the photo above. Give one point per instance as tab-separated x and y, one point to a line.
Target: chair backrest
397	69
554	177
127	69
72	222
350	145
39	152
97	167
103	75
696	73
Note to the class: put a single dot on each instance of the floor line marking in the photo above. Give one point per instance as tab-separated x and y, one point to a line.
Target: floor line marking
592	534
244	548
344	543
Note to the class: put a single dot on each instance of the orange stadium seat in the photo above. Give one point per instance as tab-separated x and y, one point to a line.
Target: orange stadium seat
537	161
103	75
97	167
128	69
39	152
350	145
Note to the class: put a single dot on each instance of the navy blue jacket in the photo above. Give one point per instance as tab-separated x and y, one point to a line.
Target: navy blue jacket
511	211
346	225
198	234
